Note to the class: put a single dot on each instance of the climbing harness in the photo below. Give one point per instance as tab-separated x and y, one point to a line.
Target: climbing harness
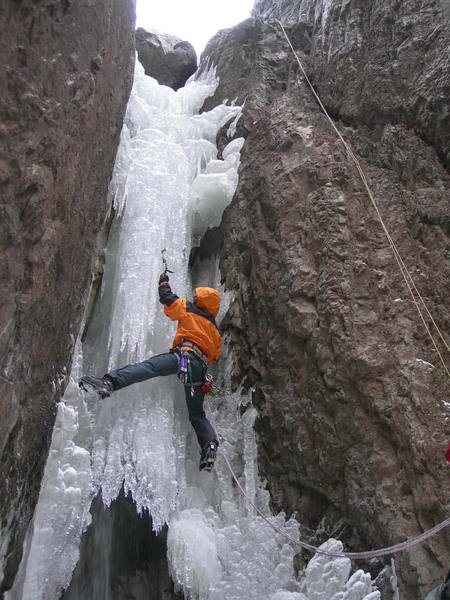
403	269
351	555
186	348
183	366
195	349
184	373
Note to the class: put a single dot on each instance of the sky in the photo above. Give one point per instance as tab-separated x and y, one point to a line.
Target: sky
195	21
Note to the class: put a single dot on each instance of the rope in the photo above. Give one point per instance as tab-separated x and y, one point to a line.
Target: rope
351	555
403	269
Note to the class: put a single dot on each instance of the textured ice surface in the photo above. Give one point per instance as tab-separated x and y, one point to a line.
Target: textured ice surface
328	578
394	581
63	508
214	187
168	186
288	596
138	438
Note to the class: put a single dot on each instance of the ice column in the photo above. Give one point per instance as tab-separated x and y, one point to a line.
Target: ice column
137	438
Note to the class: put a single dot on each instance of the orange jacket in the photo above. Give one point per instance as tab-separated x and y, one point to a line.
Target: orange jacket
195	321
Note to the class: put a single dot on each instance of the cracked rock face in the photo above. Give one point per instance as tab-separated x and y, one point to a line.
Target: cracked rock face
61	112
166	58
361	57
352	425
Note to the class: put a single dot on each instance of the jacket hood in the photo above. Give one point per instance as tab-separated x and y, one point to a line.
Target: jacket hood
208	299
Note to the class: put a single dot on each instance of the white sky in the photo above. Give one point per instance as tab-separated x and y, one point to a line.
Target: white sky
195	21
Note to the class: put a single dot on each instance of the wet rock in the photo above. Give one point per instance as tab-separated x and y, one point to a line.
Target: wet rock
166	58
64	80
349	389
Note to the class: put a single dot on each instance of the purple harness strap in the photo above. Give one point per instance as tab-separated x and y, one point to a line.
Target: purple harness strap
183	371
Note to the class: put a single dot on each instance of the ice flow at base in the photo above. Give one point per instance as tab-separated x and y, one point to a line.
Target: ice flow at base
168	187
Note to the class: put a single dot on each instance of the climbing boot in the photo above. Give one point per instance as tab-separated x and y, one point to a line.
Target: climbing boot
104	387
208	456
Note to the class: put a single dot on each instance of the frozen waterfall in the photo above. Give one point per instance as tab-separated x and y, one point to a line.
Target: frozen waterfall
168	187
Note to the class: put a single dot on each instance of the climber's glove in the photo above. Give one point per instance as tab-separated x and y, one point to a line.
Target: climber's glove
163	279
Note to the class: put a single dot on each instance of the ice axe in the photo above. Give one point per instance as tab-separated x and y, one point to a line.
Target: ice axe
166	268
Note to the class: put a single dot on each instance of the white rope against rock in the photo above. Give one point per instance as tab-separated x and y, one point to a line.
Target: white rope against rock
419	539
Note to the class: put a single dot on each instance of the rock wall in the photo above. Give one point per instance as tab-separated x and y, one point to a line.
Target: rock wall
65	78
166	58
352	426
379	63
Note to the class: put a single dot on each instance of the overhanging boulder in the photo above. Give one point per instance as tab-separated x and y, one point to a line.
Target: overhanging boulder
170	60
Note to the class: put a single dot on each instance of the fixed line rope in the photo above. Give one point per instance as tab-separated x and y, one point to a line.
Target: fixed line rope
403	269
351	555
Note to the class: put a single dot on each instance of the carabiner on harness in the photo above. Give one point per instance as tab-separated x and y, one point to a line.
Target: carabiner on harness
184	374
208	386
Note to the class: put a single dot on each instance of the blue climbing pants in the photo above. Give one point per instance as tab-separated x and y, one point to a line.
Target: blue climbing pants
167	364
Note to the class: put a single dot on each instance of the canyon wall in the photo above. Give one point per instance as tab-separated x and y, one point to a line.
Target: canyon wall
65	78
352	425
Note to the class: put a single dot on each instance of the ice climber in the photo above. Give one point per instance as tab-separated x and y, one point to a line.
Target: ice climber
196	344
